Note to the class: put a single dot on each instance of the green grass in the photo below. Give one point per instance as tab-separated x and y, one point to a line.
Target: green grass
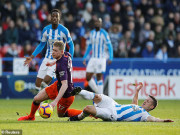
89	126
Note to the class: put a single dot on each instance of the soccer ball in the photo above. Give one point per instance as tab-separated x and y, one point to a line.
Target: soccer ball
45	110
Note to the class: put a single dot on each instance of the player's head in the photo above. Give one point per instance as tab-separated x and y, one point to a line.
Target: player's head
150	103
58	49
98	23
55	16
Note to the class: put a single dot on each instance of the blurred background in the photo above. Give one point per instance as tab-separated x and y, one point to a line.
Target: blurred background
145	36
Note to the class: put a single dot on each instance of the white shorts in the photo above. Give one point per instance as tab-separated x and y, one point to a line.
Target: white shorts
106	109
96	65
46	70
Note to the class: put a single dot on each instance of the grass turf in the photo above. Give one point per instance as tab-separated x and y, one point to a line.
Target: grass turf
89	126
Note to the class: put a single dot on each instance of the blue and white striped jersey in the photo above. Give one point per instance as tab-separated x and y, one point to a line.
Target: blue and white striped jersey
98	42
131	112
50	35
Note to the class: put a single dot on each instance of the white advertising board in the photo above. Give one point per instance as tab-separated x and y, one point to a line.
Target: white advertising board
19	68
162	87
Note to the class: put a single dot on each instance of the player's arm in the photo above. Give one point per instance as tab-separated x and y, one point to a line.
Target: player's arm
88	50
154	119
62	90
135	98
38	48
109	45
35	53
70	43
71	48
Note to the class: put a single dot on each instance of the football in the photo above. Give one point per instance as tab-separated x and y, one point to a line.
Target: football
45	110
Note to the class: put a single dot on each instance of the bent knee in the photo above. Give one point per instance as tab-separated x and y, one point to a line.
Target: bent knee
88	108
37	99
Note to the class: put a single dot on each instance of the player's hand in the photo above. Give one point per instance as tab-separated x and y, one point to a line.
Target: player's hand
53	104
50	63
168	120
139	86
27	61
109	62
84	62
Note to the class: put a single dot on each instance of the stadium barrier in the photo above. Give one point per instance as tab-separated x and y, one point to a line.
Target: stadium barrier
161	78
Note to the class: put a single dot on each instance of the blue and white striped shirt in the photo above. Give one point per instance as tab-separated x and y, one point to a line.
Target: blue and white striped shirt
49	36
98	42
131	112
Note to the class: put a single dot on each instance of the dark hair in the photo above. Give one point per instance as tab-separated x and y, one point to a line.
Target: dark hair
56	10
155	102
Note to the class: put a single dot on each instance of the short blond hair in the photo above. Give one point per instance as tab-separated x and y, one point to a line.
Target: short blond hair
59	44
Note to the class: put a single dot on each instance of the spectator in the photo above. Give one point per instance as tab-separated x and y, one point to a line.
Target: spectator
77	50
107	22
158	40
144	32
21	12
87	12
43	12
115	36
170	29
170	45
12	52
162	53
148	52
11	34
125	45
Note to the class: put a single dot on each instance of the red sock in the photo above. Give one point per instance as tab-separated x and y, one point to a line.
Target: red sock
34	108
73	112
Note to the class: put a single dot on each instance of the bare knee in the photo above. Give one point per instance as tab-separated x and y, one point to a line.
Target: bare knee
90	110
37	100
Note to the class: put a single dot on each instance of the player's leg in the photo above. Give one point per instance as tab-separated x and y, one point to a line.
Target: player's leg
46	81
101	110
102	68
100	83
63	107
41	96
84	93
91	81
38	83
89	73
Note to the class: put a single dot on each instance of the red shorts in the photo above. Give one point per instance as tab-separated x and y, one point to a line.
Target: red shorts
64	103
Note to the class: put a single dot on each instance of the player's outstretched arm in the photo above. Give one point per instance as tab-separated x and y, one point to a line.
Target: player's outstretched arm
62	90
86	53
50	63
35	53
135	99
154	119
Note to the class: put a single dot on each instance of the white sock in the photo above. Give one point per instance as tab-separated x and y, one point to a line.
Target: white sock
87	95
100	86
93	85
82	116
44	85
38	88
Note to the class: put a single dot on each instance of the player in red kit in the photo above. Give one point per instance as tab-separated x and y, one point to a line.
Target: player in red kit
59	91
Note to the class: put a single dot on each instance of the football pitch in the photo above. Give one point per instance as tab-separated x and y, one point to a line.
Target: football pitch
11	110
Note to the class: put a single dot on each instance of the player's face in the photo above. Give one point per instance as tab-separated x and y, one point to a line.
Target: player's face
56	52
55	18
147	104
98	23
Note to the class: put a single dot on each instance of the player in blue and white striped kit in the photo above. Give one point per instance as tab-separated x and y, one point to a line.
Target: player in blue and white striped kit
50	34
98	42
107	109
